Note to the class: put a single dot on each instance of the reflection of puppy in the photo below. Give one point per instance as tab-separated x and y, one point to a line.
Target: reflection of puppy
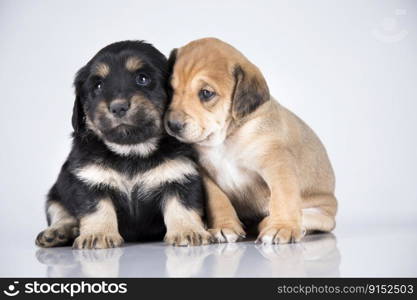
60	263
262	163
189	261
99	263
84	263
125	179
186	261
317	256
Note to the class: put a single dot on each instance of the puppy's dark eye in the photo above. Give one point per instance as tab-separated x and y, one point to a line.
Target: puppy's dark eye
98	86
143	79
206	95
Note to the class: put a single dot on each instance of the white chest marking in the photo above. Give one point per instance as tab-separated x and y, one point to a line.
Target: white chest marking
237	178
228	173
169	171
141	149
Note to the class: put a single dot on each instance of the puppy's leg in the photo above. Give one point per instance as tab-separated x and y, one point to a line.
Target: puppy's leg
319	212
184	225
99	229
62	230
283	225
223	221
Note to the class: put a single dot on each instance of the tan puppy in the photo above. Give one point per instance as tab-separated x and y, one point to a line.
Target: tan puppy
261	162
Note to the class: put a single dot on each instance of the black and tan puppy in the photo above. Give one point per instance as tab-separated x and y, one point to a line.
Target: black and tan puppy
125	179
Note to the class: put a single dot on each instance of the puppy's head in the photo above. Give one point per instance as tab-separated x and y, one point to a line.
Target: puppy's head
213	85
120	94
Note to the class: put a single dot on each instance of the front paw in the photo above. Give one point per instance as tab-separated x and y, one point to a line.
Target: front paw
280	234
55	236
188	237
229	233
97	241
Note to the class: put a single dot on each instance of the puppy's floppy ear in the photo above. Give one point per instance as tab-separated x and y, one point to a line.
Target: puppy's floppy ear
251	90
78	115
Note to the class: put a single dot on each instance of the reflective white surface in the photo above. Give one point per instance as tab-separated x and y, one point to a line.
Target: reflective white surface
371	251
318	256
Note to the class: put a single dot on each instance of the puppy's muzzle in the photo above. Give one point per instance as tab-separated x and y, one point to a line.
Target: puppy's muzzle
175	123
175	126
119	107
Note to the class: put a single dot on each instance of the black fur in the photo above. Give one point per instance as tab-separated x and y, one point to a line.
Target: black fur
139	218
171	62
249	93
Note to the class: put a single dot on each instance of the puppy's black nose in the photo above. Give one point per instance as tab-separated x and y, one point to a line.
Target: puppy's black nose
119	108
175	126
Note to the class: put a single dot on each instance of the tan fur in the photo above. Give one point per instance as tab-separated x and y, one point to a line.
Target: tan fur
63	227
137	102
102	70
58	214
222	217
171	170
99	229
265	162
143	149
184	226
133	64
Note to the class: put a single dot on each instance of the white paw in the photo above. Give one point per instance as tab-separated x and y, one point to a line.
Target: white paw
280	235
98	240
227	235
188	238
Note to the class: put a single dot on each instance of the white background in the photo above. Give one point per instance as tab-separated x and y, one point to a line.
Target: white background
348	68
